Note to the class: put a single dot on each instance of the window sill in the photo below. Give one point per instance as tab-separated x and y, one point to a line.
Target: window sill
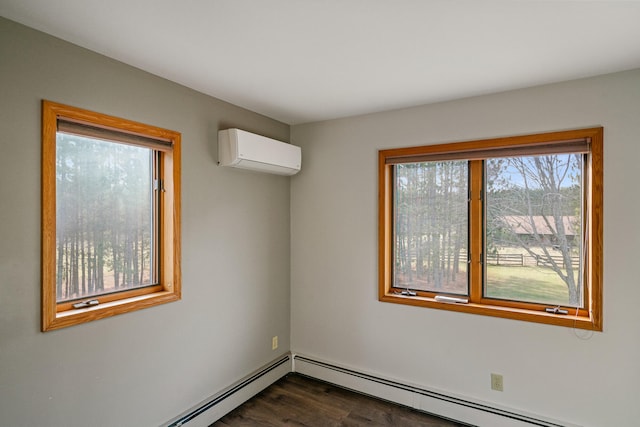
72	317
567	320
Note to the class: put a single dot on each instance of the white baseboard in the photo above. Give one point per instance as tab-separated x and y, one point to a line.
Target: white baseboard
460	409
212	409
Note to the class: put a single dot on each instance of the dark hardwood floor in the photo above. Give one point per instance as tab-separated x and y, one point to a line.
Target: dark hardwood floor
297	400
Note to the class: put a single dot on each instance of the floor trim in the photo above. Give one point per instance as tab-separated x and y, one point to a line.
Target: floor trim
210	410
442	404
456	408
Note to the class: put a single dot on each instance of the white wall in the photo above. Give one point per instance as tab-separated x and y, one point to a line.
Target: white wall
550	371
142	368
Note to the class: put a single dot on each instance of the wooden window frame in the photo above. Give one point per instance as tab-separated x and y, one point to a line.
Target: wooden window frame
168	288
589	318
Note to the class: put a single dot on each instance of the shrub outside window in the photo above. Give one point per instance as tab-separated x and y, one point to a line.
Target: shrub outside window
508	227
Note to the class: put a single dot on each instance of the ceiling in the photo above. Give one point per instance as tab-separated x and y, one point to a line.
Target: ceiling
301	61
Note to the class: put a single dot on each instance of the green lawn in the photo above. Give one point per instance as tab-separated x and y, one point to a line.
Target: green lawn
531	284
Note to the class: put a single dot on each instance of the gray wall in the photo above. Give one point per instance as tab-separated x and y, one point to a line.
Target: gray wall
588	379
142	368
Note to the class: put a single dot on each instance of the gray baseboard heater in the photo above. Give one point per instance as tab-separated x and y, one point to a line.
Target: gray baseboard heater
296	363
431	394
229	392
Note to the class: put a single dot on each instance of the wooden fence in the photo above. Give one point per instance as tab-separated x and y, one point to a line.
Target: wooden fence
505	259
529	260
543	261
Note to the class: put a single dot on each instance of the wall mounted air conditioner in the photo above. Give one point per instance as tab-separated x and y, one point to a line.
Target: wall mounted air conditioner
245	150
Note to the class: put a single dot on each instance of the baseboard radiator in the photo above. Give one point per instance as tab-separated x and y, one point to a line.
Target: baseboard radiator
463	410
207	412
459	409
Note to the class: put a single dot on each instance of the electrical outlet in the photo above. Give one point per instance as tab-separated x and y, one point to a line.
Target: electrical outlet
496	382
274	342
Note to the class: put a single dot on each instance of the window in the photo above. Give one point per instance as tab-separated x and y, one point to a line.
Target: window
508	227
110	216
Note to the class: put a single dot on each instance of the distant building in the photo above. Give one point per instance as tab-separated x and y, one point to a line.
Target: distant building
527	227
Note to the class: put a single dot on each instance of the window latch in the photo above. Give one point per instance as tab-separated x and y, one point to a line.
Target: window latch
556	310
158	184
88	303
